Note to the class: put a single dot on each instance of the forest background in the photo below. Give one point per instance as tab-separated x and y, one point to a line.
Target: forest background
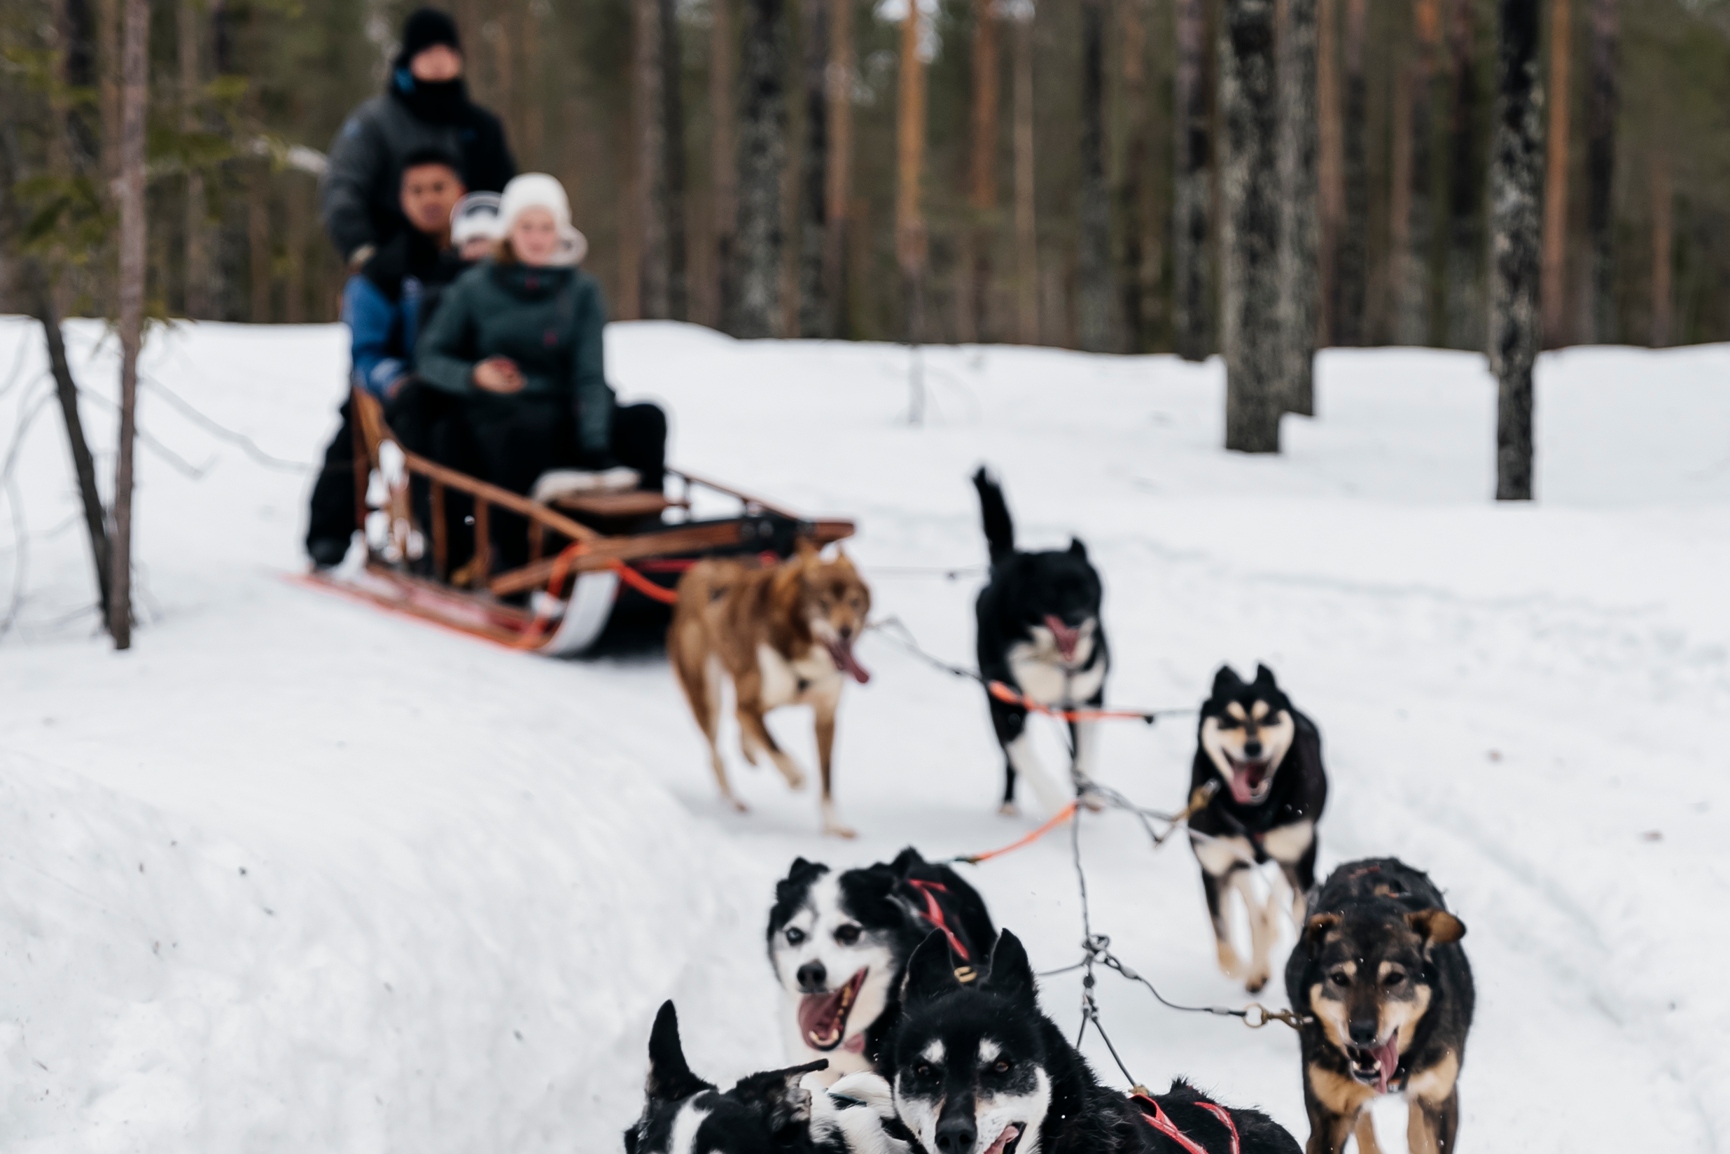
1066	187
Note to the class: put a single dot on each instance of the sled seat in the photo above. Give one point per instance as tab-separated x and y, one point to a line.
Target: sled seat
630	504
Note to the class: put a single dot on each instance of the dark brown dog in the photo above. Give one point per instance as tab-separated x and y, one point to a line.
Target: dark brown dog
1388	993
784	635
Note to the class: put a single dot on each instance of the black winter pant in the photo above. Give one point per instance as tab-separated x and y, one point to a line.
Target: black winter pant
330	522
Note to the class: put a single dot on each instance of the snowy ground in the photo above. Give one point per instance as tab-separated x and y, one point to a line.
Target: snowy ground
296	875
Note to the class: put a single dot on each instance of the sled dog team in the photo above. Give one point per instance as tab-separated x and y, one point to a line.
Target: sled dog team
913	1022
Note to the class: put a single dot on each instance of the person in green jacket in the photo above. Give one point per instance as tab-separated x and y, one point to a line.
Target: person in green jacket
511	380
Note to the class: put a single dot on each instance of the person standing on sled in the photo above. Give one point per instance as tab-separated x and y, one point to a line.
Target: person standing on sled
514	356
384	306
426	105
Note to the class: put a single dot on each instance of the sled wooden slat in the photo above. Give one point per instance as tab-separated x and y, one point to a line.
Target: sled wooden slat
728	491
635	503
440	546
503	498
601	554
483	560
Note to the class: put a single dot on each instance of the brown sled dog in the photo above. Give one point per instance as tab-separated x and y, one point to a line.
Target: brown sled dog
784	635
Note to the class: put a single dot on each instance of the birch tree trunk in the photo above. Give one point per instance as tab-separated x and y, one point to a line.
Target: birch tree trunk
1464	297
1093	216
1190	192
981	177
1299	289
1352	281
813	171
1553	294
1026	227
1598	307
762	157
1250	200
723	160
910	240
134	64
1516	161
839	178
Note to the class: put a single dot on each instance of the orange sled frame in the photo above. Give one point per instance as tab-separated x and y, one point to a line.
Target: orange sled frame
584	550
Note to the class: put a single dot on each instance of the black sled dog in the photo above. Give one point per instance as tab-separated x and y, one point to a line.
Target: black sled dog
1040	634
1388	993
839	945
1262	760
978	1069
780	1111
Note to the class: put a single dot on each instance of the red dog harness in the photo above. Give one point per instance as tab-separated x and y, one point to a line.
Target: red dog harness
1161	1121
933	913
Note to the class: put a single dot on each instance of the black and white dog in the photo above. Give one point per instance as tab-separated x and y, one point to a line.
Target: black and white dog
787	1111
839	944
1262	759
978	1069
1040	634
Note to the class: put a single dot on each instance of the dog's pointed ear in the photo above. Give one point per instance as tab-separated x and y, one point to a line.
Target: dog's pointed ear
930	971
784	1104
1226	682
1319	925
1011	973
1077	549
670	1078
1264	677
906	860
1436	927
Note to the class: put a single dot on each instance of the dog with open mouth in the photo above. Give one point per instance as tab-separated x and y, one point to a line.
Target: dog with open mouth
1258	762
1040	634
978	1069
1381	975
784	635
839	944
787	1111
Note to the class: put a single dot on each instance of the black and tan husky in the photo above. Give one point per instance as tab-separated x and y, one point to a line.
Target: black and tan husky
1262	760
1388	993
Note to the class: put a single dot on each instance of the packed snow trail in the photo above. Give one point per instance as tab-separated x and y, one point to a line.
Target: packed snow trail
470	875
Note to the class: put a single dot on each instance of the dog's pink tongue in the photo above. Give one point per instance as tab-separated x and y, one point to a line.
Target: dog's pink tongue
842	654
1387	1062
1242	788
1065	637
1009	1134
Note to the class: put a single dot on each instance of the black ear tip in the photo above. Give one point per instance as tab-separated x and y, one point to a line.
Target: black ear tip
667	1018
1263	674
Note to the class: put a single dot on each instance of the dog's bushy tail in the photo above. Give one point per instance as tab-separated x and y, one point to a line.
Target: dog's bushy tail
994	512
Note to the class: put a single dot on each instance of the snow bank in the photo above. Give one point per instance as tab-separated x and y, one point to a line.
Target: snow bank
483	981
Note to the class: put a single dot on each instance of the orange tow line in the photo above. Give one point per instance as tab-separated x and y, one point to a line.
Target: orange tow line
556	579
1057	819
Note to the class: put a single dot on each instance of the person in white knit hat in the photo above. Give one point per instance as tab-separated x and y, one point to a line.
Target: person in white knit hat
515	350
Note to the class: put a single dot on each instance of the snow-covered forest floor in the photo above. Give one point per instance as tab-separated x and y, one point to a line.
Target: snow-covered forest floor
297	875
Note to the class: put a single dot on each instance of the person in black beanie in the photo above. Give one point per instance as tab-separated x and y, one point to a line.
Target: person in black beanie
425	106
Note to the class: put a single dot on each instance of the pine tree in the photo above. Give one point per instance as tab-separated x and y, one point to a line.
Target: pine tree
1249	195
1464	301
1190	194
1553	293
762	154
813	169
839	177
723	162
1415	320
910	239
1093	210
1603	104
1352	262
981	178
1516	164
1026	234
1299	283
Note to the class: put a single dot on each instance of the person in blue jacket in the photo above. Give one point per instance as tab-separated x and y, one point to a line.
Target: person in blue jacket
385	306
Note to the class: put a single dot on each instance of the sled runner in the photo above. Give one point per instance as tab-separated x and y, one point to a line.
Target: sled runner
587	550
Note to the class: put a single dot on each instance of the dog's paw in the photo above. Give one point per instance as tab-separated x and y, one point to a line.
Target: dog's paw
1229	963
1009	809
737	805
1254	983
795	779
836	829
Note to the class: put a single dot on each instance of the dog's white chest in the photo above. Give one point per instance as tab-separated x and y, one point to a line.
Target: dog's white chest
1042	676
793	682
